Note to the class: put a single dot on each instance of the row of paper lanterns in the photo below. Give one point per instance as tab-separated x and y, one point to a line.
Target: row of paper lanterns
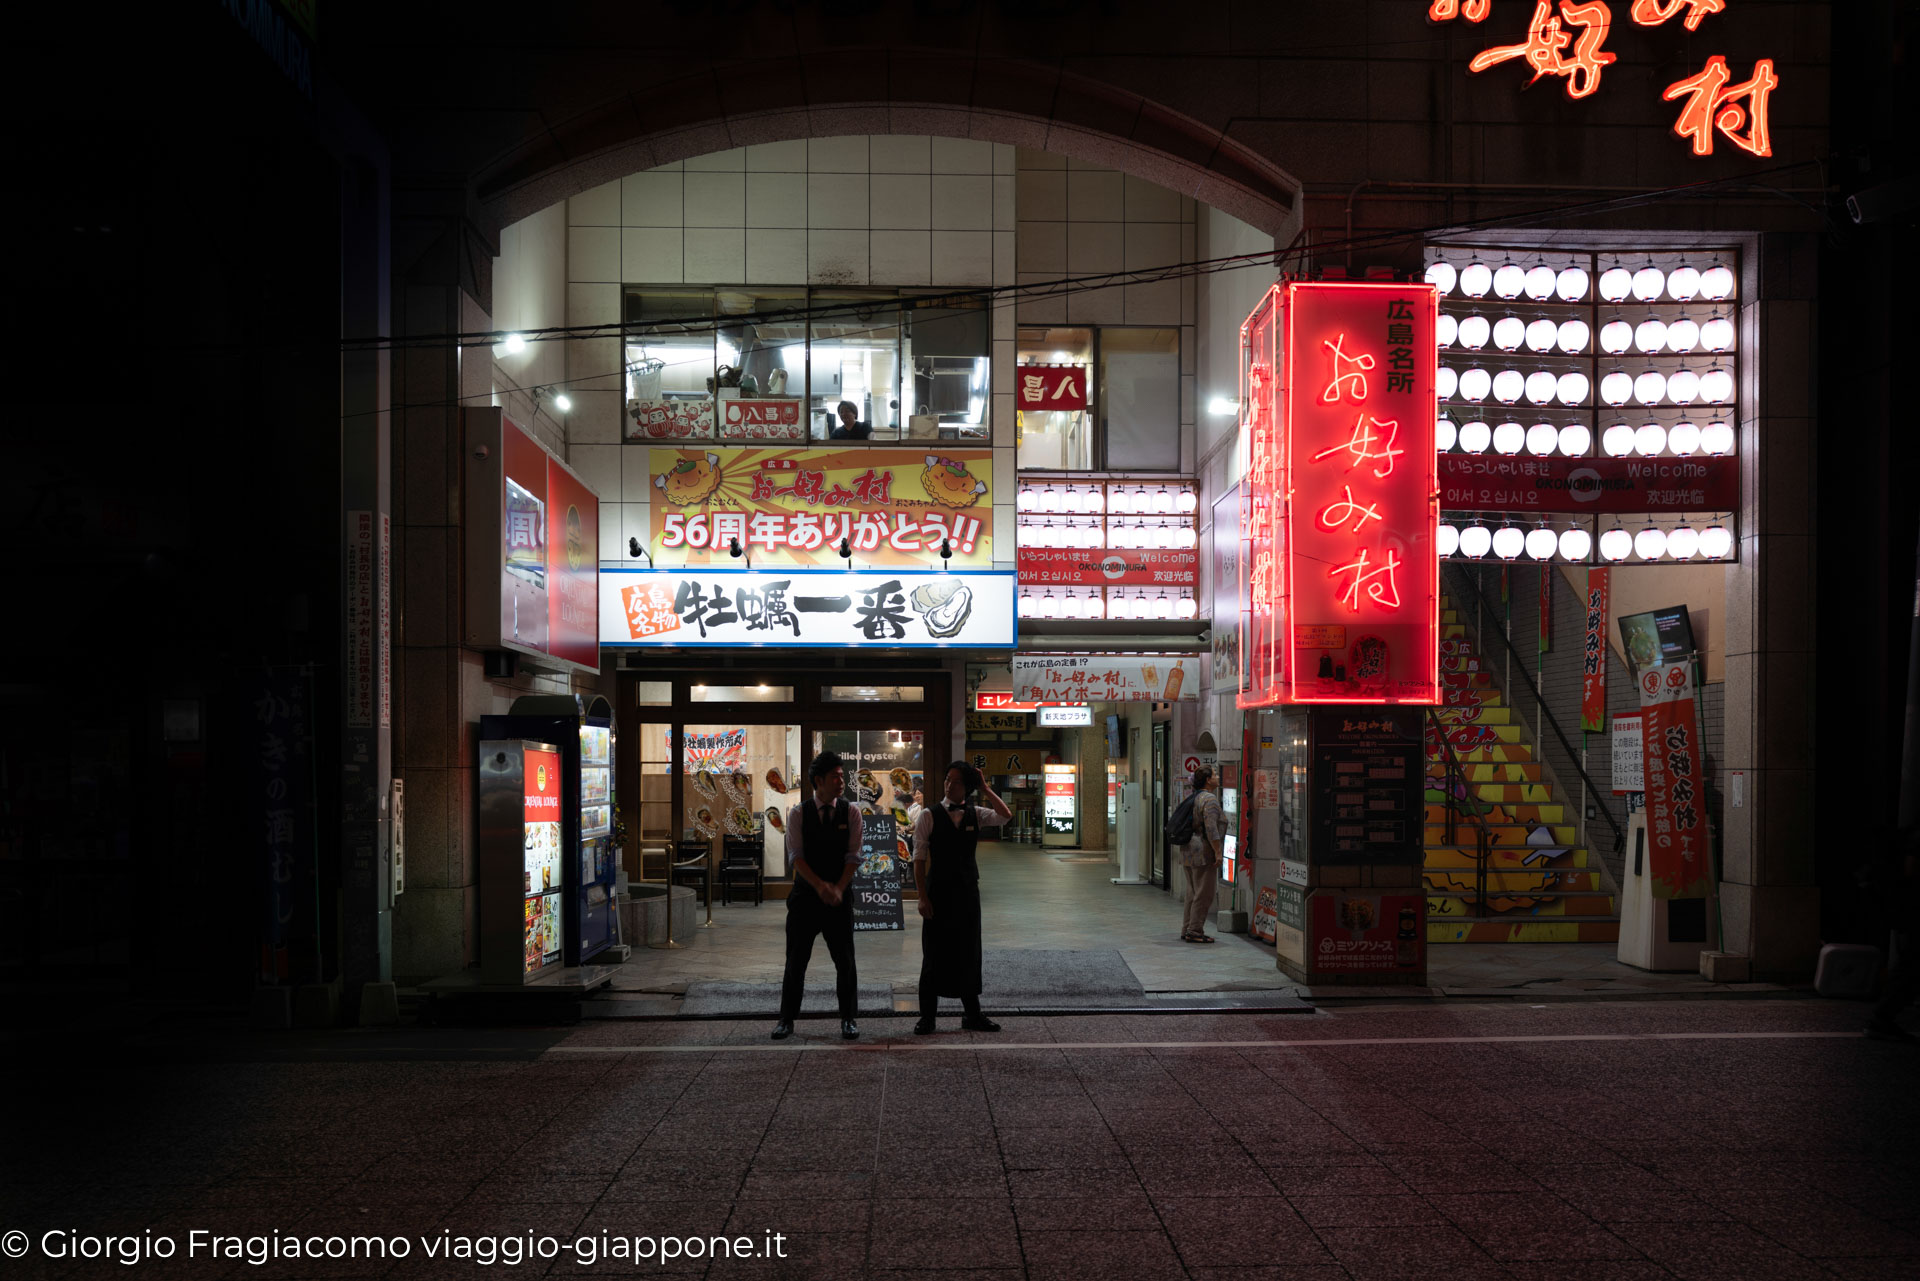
1541	282
1652	335
1078	500
1046	603
1649	440
1509	542
1131	536
1542	387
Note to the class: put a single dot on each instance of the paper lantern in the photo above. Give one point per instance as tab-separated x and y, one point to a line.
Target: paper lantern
1474	332
1575	544
1616	336
1683	282
1445	330
1650	440
1541	544
1717	334
1683	543
1541	335
1475	437
1684	439
1716	386
1575	441
1616	388
1617	440
1509	281
1475	384
1508	385
1509	439
1446	540
1649	283
1476	279
1442	276
1717	439
1475	541
1444	434
1445	383
1539	282
1509	332
1716	283
1571	284
1649	544
1715	543
1508	542
1649	388
1573	335
1615	544
1683	336
1571	389
1541	387
1615	284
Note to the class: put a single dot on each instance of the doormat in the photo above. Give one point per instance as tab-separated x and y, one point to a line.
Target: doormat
708	1000
1043	976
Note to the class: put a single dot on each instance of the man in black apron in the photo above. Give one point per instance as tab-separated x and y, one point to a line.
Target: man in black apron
823	848
944	867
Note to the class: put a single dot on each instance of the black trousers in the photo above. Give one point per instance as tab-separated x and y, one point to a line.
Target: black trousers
807	916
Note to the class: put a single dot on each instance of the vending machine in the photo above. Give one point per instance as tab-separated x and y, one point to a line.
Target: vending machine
522	875
581	730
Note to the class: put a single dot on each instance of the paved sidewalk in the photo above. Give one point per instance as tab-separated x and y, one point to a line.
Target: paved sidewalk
1710	1140
1042	898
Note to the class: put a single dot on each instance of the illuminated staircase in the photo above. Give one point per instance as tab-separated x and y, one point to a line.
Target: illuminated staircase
1556	895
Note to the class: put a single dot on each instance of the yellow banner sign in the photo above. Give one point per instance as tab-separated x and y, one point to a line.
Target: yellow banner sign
797	506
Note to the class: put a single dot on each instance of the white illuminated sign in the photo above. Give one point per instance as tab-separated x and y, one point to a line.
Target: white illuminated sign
1066	716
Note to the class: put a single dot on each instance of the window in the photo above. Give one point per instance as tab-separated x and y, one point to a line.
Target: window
873	694
740	694
1060	440
1134	422
777	365
1138	394
854	359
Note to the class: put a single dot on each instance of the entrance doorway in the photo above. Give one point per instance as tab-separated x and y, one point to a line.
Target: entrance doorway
713	760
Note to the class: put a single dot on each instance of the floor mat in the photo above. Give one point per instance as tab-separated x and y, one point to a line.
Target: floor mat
1043	976
717	1000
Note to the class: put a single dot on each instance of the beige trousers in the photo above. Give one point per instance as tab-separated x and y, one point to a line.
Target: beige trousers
1200	885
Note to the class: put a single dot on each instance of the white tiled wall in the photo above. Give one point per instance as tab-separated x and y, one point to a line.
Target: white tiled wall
886	211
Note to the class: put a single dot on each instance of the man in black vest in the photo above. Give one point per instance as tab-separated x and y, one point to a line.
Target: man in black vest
945	837
823	848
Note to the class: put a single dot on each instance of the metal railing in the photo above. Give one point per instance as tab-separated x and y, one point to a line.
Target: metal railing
1593	789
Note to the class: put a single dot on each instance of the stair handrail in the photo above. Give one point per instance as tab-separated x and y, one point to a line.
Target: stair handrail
1483	837
1593	789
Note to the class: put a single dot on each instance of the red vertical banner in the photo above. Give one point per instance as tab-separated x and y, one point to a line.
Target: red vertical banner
1676	799
1593	657
573	568
1546	607
1260	558
1345	495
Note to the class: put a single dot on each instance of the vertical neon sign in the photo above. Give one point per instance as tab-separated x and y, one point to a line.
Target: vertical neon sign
1337	381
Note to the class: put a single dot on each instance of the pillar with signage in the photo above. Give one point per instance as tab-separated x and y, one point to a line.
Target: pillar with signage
1342	611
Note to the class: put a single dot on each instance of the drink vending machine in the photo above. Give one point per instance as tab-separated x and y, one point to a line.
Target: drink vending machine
580	732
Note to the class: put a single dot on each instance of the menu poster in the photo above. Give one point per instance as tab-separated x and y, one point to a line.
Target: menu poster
1290	923
1266	913
1368	802
1367	933
1629	756
877	881
1105	678
543	871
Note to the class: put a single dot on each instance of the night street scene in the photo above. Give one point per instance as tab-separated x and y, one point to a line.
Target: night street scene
946	640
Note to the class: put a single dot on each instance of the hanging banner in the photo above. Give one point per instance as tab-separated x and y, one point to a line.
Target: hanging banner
1546	607
1047	389
1106	678
1339	385
897	610
1159	568
1676	799
795	506
1593	657
1478	482
1228	589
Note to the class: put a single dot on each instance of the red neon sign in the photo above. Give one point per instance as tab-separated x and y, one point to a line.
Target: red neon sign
1545	46
1337	381
1714	105
1448	10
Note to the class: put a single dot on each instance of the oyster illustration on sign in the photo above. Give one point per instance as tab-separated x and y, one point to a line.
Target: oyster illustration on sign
690	481
943	607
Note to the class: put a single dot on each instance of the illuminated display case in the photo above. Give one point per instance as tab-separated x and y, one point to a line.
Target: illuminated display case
522	875
1060	814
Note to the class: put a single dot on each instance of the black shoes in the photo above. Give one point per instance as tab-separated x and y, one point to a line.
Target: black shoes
783	1029
849	1030
924	1027
978	1023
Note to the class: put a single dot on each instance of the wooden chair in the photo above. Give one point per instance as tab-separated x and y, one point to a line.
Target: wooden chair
693	865
742	862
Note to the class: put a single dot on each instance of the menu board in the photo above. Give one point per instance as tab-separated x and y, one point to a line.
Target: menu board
544	875
1060	813
1266	914
876	882
1368	778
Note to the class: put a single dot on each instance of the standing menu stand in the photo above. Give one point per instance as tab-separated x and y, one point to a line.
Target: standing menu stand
1361	914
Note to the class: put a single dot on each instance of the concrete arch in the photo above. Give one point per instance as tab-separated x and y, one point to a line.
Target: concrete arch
1004	100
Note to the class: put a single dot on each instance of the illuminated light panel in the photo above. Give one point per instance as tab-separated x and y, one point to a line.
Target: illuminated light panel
1340	524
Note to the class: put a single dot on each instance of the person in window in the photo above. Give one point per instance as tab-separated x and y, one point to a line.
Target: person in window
850	428
948	875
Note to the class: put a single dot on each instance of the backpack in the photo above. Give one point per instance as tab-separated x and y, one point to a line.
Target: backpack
1180	823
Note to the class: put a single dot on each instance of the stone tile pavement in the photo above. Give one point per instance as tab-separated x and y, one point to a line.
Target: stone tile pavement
1690	1139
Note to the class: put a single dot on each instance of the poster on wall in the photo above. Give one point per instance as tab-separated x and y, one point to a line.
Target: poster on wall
1106	678
1290	923
524	611
1050	389
795	506
1678	860
1629	756
1227	588
1340	398
1593	654
899	610
1358	933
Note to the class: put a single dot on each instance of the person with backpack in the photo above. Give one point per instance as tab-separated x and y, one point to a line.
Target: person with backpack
1197	827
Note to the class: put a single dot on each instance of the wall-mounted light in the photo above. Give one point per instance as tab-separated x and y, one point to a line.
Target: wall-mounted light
734	549
635	549
1222	407
846	550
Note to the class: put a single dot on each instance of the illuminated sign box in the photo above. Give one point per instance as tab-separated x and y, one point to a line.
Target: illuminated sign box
1066	716
1337	529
